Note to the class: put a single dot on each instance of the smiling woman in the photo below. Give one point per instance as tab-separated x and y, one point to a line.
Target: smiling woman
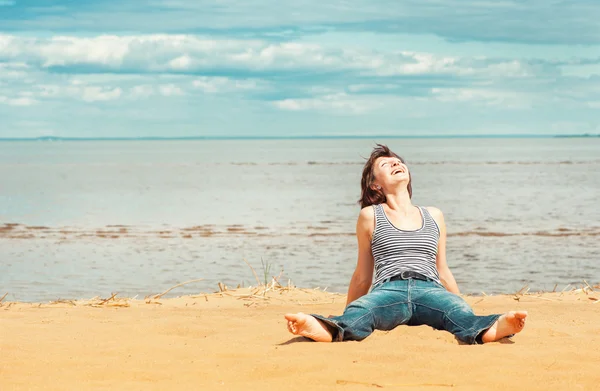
406	247
371	195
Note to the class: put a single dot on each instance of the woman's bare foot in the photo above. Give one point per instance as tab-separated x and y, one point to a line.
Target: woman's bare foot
510	323
308	326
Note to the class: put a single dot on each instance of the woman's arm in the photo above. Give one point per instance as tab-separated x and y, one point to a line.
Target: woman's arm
442	266
363	274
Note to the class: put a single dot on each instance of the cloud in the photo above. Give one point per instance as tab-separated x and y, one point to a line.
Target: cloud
36	93
95	94
290	76
13	70
213	85
170	90
297	76
141	91
340	103
189	54
533	21
20	101
506	99
7	3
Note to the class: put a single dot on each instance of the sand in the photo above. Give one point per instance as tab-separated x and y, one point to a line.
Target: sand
226	341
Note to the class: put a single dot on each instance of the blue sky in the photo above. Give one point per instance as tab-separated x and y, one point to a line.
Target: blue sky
308	67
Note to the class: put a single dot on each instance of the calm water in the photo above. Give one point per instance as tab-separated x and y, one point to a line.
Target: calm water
137	217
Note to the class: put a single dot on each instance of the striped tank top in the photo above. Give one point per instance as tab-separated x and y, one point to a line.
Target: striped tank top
395	250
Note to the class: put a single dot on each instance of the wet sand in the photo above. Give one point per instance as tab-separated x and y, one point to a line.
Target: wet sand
233	341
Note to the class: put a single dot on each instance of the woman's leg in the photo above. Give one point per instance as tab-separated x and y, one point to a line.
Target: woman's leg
442	310
384	308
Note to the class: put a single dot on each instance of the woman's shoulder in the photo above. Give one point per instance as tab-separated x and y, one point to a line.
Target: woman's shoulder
434	211
368	213
366	219
436	214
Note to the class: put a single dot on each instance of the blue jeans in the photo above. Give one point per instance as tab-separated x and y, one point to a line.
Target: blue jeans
411	302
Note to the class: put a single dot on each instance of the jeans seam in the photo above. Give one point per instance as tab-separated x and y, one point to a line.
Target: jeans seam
370	311
470	330
445	315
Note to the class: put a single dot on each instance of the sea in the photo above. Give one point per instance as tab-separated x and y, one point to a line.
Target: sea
80	219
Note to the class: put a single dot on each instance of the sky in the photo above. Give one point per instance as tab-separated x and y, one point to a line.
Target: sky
175	68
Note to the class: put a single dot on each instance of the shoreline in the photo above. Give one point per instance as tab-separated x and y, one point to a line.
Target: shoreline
237	339
224	290
293	138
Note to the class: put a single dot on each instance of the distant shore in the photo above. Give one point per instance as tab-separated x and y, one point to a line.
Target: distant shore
238	340
314	137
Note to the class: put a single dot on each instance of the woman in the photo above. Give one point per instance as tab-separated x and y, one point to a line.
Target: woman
406	246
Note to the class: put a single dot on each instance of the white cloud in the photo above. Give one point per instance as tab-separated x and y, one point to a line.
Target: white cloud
189	53
13	70
182	62
213	85
372	87
20	101
170	90
141	91
95	94
78	91
486	97
336	103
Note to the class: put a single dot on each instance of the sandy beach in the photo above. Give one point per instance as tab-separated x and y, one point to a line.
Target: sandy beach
237	340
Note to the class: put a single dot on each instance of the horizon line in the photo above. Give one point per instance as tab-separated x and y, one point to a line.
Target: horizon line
332	137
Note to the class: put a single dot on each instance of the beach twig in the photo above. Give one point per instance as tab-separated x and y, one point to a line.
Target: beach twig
253	272
114	304
278	277
3	298
564	289
63	301
175	286
104	301
520	292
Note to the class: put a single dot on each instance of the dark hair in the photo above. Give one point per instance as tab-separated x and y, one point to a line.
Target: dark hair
368	195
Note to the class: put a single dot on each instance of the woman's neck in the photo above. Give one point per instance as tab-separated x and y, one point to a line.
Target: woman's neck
399	202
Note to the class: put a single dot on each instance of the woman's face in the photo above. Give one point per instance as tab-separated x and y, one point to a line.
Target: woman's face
389	172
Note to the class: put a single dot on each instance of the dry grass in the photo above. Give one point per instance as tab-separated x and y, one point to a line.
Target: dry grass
584	288
264	293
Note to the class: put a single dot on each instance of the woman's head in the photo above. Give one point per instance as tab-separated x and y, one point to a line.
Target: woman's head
383	169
